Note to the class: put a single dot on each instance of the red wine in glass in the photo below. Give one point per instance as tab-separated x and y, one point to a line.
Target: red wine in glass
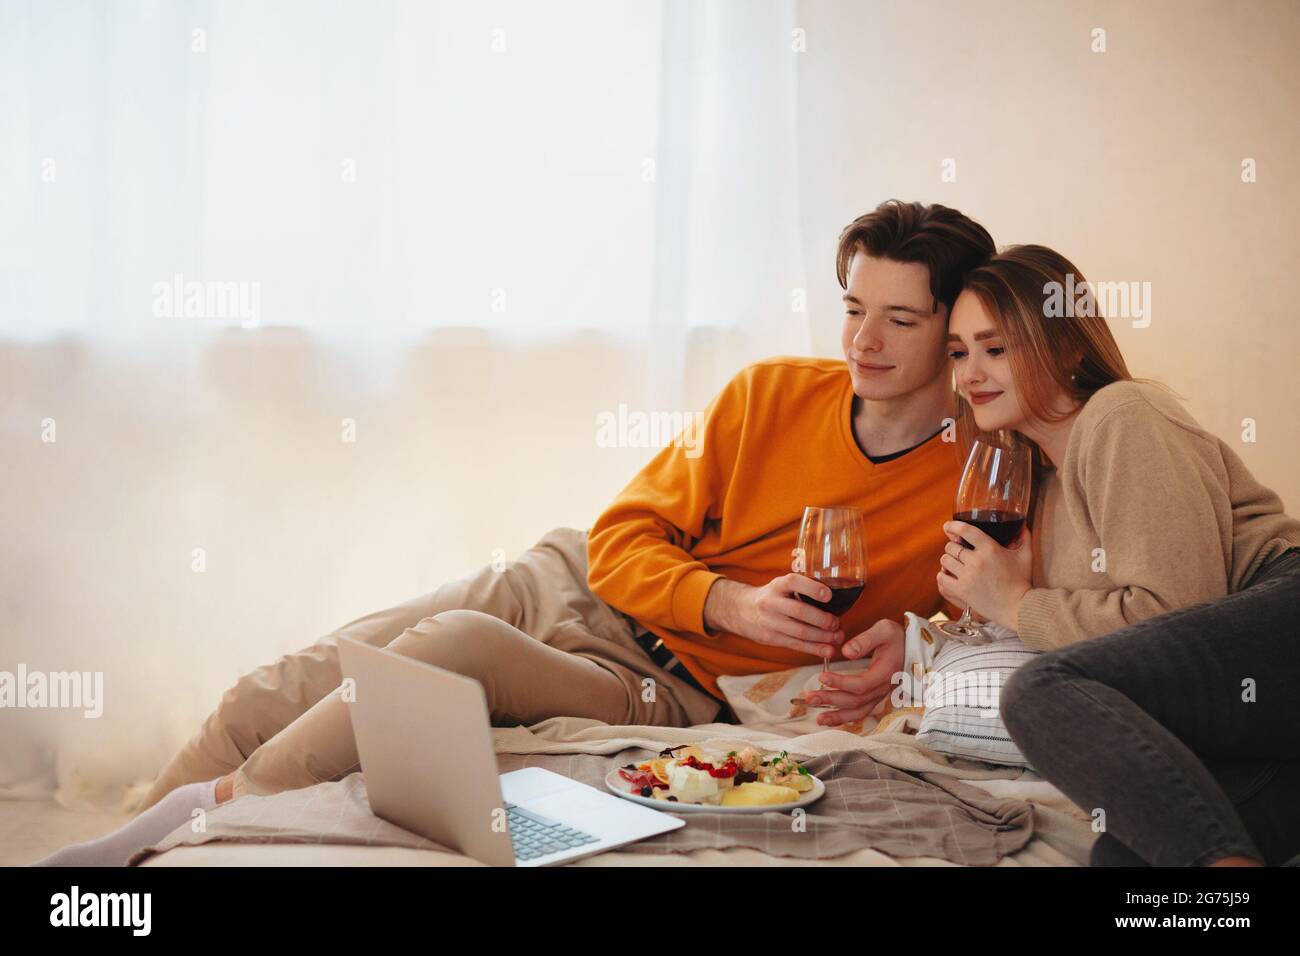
1002	526
994	497
832	550
844	594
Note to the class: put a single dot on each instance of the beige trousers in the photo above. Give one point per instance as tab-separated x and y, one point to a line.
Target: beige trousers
541	644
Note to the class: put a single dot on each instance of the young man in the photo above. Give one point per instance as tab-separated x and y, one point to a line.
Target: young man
698	550
686	575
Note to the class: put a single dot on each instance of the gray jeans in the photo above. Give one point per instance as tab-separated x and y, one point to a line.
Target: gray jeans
1184	728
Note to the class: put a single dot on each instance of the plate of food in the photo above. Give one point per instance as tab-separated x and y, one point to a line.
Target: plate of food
686	779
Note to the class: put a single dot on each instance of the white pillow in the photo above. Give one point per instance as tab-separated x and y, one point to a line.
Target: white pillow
960	689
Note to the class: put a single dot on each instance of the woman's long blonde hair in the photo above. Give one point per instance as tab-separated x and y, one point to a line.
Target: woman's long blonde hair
1021	287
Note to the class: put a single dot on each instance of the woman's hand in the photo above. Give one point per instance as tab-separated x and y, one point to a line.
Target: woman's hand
855	695
988	578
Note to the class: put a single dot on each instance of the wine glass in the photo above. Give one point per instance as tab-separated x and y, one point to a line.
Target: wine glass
993	496
832	550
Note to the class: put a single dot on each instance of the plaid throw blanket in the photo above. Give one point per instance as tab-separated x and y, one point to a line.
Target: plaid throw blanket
867	804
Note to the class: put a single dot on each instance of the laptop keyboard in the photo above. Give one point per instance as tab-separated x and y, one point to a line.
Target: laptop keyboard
532	835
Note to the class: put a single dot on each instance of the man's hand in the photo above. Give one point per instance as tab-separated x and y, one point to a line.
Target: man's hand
772	615
856	695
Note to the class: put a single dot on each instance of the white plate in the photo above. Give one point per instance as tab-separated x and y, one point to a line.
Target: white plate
620	787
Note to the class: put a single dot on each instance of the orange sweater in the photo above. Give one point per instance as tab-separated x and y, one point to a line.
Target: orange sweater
778	437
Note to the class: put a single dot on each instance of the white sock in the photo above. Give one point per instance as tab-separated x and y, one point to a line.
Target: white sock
148	828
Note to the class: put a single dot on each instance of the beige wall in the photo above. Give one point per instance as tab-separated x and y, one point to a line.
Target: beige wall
1128	162
234	445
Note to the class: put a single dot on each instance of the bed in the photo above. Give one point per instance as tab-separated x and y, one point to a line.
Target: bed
302	828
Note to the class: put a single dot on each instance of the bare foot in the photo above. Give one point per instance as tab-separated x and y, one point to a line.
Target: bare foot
225	788
1236	861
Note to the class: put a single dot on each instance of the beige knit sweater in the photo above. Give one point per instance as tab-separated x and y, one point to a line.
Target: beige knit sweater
1147	513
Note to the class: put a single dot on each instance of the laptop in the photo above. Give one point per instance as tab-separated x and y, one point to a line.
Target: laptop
425	741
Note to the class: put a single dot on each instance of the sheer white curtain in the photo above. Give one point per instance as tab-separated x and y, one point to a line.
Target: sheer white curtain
599	195
376	170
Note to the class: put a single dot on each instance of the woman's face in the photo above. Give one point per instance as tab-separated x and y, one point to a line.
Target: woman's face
980	367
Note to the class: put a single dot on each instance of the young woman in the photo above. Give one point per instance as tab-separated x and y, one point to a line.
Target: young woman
1161	579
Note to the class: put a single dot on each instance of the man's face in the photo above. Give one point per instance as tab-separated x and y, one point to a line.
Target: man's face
893	343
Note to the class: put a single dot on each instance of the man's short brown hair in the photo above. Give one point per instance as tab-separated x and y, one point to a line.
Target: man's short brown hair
943	240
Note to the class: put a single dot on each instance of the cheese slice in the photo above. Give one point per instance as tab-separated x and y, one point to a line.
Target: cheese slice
696	786
755	794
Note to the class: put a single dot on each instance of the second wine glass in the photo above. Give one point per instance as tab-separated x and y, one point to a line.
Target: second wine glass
993	496
833	550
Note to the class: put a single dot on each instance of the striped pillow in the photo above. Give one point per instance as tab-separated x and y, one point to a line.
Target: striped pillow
961	701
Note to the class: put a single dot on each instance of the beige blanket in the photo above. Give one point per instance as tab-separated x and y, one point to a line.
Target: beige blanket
1061	832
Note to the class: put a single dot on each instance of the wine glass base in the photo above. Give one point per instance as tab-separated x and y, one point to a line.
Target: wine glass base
965	633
